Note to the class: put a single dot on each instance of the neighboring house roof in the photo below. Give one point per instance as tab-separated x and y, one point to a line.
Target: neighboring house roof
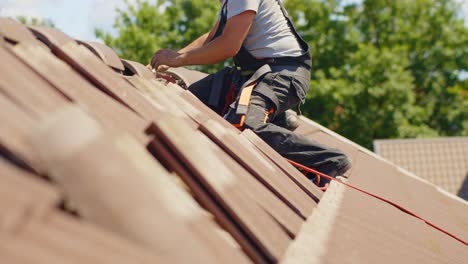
103	163
442	161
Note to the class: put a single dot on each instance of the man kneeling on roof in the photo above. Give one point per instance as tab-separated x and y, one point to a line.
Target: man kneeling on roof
272	75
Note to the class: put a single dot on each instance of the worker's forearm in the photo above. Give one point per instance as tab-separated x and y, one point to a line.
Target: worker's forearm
218	49
199	42
215	51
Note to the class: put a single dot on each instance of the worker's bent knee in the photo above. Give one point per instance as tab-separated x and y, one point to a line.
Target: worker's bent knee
343	162
288	120
333	162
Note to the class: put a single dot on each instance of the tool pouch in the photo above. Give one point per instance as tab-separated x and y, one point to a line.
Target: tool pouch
223	89
256	83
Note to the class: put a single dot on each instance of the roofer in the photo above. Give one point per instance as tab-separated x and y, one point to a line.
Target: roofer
272	75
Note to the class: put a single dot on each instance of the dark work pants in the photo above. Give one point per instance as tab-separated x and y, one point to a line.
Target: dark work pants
289	86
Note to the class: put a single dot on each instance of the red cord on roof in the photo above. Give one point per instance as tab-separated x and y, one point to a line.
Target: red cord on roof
310	170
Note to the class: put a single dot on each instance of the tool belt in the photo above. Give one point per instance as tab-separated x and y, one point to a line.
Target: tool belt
234	87
237	97
249	64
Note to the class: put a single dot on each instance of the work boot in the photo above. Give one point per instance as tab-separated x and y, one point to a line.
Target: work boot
335	173
323	182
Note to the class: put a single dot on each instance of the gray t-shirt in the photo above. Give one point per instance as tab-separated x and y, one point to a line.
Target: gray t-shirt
269	35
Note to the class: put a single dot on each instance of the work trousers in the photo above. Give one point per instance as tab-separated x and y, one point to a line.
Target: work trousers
289	84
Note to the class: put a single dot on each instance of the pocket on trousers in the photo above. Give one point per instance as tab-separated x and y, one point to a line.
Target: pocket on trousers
280	80
301	83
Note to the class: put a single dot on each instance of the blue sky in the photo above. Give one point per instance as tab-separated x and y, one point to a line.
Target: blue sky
79	18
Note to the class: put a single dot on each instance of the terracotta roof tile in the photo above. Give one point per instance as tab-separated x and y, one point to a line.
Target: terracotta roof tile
26	88
187	77
16	125
145	173
87	64
65	147
79	90
200	155
106	54
250	159
348	227
136	68
51	36
374	174
307	186
14	32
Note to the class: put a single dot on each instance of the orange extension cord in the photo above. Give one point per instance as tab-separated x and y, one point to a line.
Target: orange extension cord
309	170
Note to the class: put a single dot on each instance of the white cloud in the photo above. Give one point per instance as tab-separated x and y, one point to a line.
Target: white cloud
71	16
32	8
104	10
465	10
104	13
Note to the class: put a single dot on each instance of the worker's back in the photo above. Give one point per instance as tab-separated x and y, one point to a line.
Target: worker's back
270	35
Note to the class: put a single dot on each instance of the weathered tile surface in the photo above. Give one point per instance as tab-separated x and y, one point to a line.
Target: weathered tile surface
160	178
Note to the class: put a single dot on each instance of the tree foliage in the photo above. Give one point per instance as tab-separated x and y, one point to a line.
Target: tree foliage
386	68
147	26
382	68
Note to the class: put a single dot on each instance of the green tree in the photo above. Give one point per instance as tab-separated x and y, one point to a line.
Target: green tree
381	69
147	26
436	44
386	68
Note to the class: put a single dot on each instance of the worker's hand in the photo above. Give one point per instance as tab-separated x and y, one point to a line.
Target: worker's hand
165	58
161	68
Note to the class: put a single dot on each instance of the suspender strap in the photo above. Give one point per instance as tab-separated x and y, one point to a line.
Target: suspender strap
247	62
222	20
300	40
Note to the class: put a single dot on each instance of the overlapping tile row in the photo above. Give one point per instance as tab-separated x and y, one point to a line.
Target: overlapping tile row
350	227
102	162
33	230
97	155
